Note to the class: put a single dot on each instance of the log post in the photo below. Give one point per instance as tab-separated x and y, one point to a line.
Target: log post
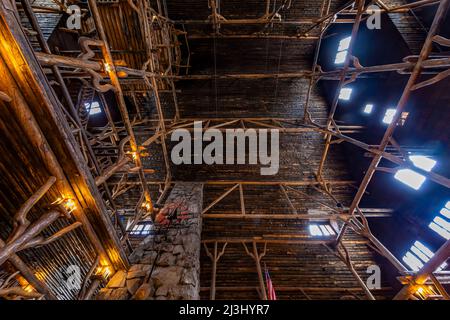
214	259
257	258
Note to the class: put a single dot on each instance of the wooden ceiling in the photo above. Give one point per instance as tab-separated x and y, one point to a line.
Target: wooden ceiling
266	49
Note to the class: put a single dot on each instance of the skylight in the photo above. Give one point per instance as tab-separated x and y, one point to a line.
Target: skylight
389	116
419	254
345	93
341	54
410	178
423	162
93	108
368	108
319	230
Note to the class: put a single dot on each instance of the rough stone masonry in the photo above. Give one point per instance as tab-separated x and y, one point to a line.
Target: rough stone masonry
174	251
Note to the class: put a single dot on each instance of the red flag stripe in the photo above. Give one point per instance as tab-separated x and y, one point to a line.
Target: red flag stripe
271	295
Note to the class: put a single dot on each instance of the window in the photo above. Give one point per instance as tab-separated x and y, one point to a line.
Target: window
410	178
423	162
418	255
93	108
440	224
341	54
320	230
345	93
389	116
368	108
340	57
344	44
141	229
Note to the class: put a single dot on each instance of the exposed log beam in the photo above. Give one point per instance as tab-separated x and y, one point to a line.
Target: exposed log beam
254	182
293	289
288	216
64	61
312	241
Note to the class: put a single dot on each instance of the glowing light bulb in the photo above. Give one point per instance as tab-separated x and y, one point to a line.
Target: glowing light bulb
147	206
28	288
108	67
69	204
103	271
133	154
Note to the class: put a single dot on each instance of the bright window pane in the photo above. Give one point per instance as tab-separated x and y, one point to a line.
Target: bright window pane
324	230
423	162
412	261
410	178
345	93
445	212
340	57
443	223
420	254
439	230
94	108
344	43
424	249
389	116
368	108
314	230
330	229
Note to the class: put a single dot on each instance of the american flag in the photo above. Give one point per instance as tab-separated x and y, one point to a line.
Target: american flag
270	289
